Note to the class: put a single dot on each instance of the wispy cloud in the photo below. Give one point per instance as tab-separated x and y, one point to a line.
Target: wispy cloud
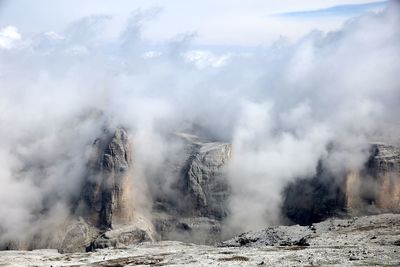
340	10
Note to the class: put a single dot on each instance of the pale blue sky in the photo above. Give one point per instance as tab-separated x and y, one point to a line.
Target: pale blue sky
216	22
343	10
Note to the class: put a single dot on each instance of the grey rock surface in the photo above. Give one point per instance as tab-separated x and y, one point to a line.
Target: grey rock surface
384	158
363	241
199	199
106	199
200	230
105	194
120	237
203	181
78	237
380	229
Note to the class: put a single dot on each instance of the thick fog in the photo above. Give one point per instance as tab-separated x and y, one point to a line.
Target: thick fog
284	108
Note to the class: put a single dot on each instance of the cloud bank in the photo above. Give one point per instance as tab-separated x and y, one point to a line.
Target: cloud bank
284	108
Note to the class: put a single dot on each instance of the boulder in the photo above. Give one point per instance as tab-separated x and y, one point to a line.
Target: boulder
78	236
123	236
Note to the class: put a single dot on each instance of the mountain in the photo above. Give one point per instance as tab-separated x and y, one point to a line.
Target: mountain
195	205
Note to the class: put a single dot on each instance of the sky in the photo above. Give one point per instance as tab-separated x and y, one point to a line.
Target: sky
215	23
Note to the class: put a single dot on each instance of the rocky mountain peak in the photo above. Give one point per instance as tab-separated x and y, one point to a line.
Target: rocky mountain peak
106	195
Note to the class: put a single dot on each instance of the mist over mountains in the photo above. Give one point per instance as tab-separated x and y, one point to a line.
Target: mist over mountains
259	120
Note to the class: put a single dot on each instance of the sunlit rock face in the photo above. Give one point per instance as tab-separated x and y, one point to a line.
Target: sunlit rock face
353	199
107	193
376	188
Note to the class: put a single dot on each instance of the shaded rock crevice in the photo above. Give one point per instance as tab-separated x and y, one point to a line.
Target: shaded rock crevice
315	199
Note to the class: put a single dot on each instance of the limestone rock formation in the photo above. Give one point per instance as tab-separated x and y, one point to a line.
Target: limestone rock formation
376	188
107	193
203	181
106	202
199	202
373	189
192	213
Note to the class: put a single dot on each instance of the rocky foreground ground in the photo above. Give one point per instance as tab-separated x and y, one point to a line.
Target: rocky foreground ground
363	241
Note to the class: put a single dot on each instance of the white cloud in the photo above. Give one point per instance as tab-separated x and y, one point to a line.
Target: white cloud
54	36
9	36
152	54
204	58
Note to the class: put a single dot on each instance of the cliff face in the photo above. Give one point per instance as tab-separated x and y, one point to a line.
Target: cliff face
107	202
107	192
371	190
199	199
376	188
203	182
